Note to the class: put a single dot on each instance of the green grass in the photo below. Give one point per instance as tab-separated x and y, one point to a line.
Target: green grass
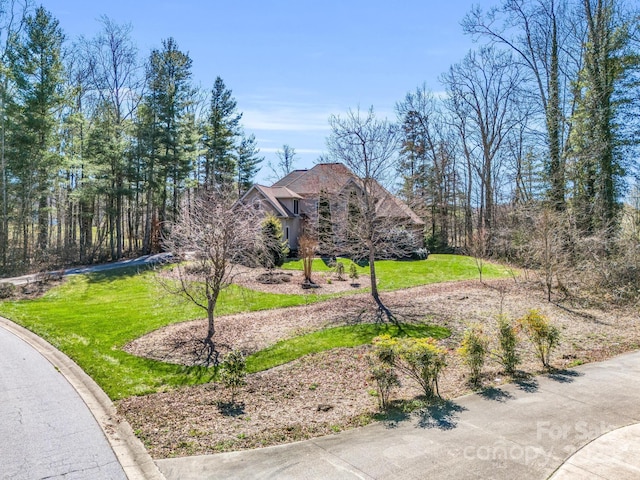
91	317
398	274
347	336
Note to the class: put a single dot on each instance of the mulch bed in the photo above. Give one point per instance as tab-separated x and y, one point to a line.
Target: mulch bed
327	392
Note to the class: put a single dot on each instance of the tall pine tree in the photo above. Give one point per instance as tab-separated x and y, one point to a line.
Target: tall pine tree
221	131
248	163
169	97
38	71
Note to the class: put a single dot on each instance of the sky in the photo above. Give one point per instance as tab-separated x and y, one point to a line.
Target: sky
292	64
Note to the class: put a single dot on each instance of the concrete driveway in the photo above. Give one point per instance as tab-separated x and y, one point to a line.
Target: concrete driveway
521	431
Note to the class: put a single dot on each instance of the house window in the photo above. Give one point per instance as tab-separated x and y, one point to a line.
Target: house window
286	233
296	207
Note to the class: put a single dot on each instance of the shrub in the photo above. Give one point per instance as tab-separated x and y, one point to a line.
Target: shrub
420	254
422	359
385	378
543	336
340	271
7	290
474	351
276	249
507	352
353	272
233	371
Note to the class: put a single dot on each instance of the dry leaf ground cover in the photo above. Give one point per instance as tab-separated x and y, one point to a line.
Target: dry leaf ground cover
327	392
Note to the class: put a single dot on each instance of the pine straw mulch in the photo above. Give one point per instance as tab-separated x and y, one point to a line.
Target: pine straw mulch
327	392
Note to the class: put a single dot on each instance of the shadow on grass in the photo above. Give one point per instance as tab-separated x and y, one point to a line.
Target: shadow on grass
563	376
115	273
496	394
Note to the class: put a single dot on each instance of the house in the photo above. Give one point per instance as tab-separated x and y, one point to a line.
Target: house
296	198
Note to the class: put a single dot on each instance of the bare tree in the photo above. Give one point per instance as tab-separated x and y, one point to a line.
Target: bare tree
547	247
285	164
113	75
219	235
482	91
368	147
547	43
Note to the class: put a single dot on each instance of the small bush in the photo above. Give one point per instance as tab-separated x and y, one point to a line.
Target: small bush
474	351
420	254
507	352
543	336
233	370
7	290
340	271
422	359
385	378
353	272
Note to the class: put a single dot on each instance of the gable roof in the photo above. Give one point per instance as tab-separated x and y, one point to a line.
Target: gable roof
332	178
272	196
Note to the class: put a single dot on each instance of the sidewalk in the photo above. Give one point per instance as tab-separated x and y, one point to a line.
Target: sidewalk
524	431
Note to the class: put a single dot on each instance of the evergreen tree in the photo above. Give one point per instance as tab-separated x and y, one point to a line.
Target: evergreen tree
276	248
599	170
221	130
38	71
325	224
169	96
248	163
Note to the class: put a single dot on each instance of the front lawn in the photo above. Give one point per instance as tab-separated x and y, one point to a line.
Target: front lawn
398	274
91	317
347	336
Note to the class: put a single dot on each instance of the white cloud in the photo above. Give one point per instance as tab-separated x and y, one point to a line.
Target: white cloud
310	151
285	117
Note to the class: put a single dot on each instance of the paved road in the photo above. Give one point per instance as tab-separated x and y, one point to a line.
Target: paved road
133	262
524	431
46	430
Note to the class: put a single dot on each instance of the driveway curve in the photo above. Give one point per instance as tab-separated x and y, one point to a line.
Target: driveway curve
47	431
526	431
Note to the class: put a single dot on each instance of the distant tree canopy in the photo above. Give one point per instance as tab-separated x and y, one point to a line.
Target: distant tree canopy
101	148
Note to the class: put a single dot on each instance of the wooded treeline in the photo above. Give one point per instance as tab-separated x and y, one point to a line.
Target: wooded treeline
542	115
99	146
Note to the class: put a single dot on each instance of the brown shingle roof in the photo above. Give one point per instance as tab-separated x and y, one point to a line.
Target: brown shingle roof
332	178
328	177
273	194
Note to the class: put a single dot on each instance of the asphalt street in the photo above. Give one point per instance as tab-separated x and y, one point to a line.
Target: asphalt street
46	430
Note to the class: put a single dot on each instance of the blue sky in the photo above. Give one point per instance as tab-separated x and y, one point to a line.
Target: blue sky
290	63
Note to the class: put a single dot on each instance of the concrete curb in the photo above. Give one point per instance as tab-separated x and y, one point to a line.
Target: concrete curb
612	456
135	460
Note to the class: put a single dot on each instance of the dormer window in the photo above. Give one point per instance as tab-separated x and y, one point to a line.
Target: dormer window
296	207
